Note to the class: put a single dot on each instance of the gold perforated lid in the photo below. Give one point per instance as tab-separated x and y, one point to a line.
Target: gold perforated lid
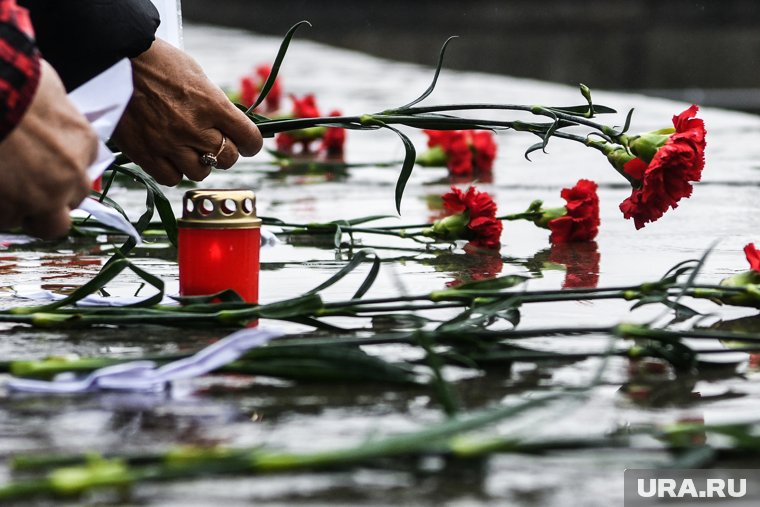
219	209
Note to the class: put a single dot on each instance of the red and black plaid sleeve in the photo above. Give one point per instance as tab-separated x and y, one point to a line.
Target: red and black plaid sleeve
19	65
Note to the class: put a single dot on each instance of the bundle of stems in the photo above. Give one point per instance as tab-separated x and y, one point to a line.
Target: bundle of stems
465	436
338	358
480	302
75	475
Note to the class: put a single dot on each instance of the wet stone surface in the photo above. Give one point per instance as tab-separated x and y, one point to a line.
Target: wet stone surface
259	411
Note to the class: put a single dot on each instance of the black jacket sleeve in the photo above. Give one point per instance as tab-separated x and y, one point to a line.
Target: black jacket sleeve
81	38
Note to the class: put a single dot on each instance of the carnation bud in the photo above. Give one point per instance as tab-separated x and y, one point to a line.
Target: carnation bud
748	280
433	157
646	145
585	91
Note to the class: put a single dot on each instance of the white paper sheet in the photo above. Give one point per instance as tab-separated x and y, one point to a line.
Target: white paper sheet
102	100
146	376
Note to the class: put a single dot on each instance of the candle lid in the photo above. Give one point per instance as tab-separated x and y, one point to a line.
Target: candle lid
219	209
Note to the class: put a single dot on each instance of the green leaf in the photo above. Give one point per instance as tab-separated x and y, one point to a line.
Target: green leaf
678	270
479	315
627	121
303	305
549	132
321	363
255	117
276	65
358	258
108	273
430	88
583	110
369	280
153	280
363	220
406	168
157	198
532	148
511	315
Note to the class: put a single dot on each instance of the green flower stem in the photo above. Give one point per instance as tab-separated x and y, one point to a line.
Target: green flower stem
235	314
186	463
331	229
527	215
600	147
537	110
374	121
629	331
268	360
47	368
402	227
270	127
359	310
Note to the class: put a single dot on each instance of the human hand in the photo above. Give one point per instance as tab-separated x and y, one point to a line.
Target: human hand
43	174
176	115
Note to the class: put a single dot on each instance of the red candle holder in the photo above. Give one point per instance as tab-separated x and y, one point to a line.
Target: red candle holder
218	243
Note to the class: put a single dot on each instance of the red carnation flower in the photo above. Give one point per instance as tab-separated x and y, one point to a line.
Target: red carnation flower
753	257
484	148
478	204
666	179
251	85
465	151
334	139
285	142
472	217
581	222
305	107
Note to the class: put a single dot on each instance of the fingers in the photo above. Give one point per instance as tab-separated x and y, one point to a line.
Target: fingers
79	192
239	129
211	142
163	171
48	225
190	161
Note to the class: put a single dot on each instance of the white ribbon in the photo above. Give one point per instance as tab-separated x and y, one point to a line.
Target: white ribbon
145	376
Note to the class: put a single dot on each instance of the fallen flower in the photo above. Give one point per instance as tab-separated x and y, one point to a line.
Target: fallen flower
576	221
472	216
581	221
461	151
